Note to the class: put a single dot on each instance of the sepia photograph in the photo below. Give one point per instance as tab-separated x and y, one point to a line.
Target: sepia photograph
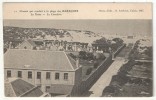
78	57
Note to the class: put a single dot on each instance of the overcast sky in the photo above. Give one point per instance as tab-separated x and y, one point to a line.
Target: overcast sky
122	27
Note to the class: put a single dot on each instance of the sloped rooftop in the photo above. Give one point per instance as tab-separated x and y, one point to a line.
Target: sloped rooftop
22	88
38	59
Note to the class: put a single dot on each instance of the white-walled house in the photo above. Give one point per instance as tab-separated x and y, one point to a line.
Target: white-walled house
54	71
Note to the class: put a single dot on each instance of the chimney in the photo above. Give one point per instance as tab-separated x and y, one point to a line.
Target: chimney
77	62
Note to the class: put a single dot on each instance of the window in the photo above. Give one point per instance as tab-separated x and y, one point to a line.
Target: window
38	75
47	88
65	76
29	74
25	47
47	75
20	74
56	76
9	73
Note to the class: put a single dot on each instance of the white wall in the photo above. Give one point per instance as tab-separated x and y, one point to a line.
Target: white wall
44	82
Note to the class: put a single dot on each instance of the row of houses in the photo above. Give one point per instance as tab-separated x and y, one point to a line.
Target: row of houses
56	45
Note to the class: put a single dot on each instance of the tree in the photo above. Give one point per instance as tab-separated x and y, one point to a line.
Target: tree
96	64
100	56
89	56
109	89
118	40
5	49
115	43
82	54
89	70
114	46
101	41
149	51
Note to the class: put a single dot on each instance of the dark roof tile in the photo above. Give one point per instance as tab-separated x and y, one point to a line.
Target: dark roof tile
35	92
19	86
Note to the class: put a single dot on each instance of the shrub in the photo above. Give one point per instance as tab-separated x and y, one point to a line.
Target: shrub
148	82
99	56
120	79
96	64
82	54
89	56
89	70
137	81
109	89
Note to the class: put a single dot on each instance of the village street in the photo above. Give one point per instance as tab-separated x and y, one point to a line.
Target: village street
105	78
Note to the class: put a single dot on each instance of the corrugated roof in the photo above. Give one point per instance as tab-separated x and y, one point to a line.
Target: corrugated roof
22	88
19	86
38	59
35	92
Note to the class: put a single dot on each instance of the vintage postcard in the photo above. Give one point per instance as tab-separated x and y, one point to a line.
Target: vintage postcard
78	49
